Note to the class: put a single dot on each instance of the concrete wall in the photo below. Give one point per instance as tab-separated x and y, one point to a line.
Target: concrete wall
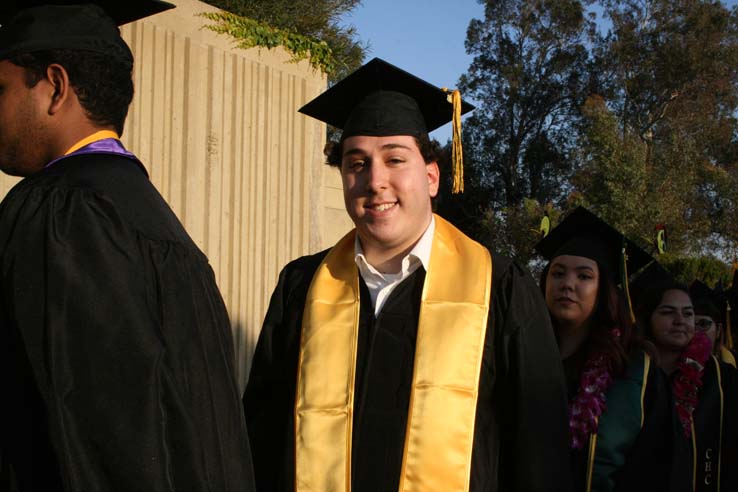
218	130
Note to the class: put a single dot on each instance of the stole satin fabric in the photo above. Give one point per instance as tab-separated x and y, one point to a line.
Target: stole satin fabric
450	342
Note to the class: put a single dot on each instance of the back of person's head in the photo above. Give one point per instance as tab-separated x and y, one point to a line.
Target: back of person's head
103	84
84	39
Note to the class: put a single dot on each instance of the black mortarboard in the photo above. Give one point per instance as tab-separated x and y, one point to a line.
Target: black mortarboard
582	233
382	100
706	301
653	277
35	25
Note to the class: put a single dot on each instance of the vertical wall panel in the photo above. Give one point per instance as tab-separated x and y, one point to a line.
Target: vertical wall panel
219	131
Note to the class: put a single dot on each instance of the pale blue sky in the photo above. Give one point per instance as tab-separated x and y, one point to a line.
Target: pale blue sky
423	37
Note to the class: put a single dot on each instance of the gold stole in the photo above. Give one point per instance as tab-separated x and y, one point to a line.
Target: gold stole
448	357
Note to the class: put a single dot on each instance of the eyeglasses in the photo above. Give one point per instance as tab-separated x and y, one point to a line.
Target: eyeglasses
704	324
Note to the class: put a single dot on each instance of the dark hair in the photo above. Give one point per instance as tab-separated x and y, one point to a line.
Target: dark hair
430	150
610	312
103	84
650	300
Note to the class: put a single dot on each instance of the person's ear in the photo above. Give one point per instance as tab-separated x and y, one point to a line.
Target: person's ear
434	177
60	88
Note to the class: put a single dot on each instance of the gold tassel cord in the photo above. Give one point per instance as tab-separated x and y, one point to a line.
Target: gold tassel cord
457	154
728	338
626	288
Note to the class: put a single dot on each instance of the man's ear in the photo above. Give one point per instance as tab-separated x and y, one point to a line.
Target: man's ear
60	88
434	176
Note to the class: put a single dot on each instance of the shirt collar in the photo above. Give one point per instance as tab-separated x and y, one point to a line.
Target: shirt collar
420	252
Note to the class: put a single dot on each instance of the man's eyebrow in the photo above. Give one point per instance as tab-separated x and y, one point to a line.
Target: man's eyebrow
354	151
389	146
395	146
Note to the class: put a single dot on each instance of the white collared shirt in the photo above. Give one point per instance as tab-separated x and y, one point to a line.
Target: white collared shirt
380	284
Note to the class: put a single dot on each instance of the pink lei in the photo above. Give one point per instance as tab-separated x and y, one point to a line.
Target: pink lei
688	378
589	403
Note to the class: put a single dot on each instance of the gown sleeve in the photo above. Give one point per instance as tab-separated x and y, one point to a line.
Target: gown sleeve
531	392
134	396
269	399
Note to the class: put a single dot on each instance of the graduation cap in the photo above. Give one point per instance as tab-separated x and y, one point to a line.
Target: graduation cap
583	233
653	277
380	100
35	25
707	302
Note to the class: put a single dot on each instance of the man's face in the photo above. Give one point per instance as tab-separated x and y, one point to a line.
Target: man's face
21	129
387	187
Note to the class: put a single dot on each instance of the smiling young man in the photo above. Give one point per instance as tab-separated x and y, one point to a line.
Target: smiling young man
406	357
115	345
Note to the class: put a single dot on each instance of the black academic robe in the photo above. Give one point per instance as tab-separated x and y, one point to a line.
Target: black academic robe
117	354
520	439
646	457
699	472
708	429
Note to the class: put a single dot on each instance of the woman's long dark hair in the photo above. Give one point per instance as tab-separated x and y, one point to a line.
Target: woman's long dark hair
611	312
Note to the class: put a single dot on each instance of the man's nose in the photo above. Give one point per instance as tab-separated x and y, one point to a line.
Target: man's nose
377	177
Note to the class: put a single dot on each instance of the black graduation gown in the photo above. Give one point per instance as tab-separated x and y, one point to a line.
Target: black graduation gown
708	429
648	459
117	354
520	440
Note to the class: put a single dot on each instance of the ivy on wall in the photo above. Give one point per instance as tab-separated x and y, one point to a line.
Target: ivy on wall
250	33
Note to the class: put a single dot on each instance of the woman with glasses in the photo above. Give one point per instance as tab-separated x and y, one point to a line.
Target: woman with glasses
710	318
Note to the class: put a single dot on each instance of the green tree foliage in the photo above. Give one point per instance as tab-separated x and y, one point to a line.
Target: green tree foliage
527	81
710	270
616	181
635	118
529	59
251	33
291	20
667	80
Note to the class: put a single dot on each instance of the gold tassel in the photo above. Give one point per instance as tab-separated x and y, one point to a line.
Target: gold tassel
626	287
728	338
457	154
728	335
